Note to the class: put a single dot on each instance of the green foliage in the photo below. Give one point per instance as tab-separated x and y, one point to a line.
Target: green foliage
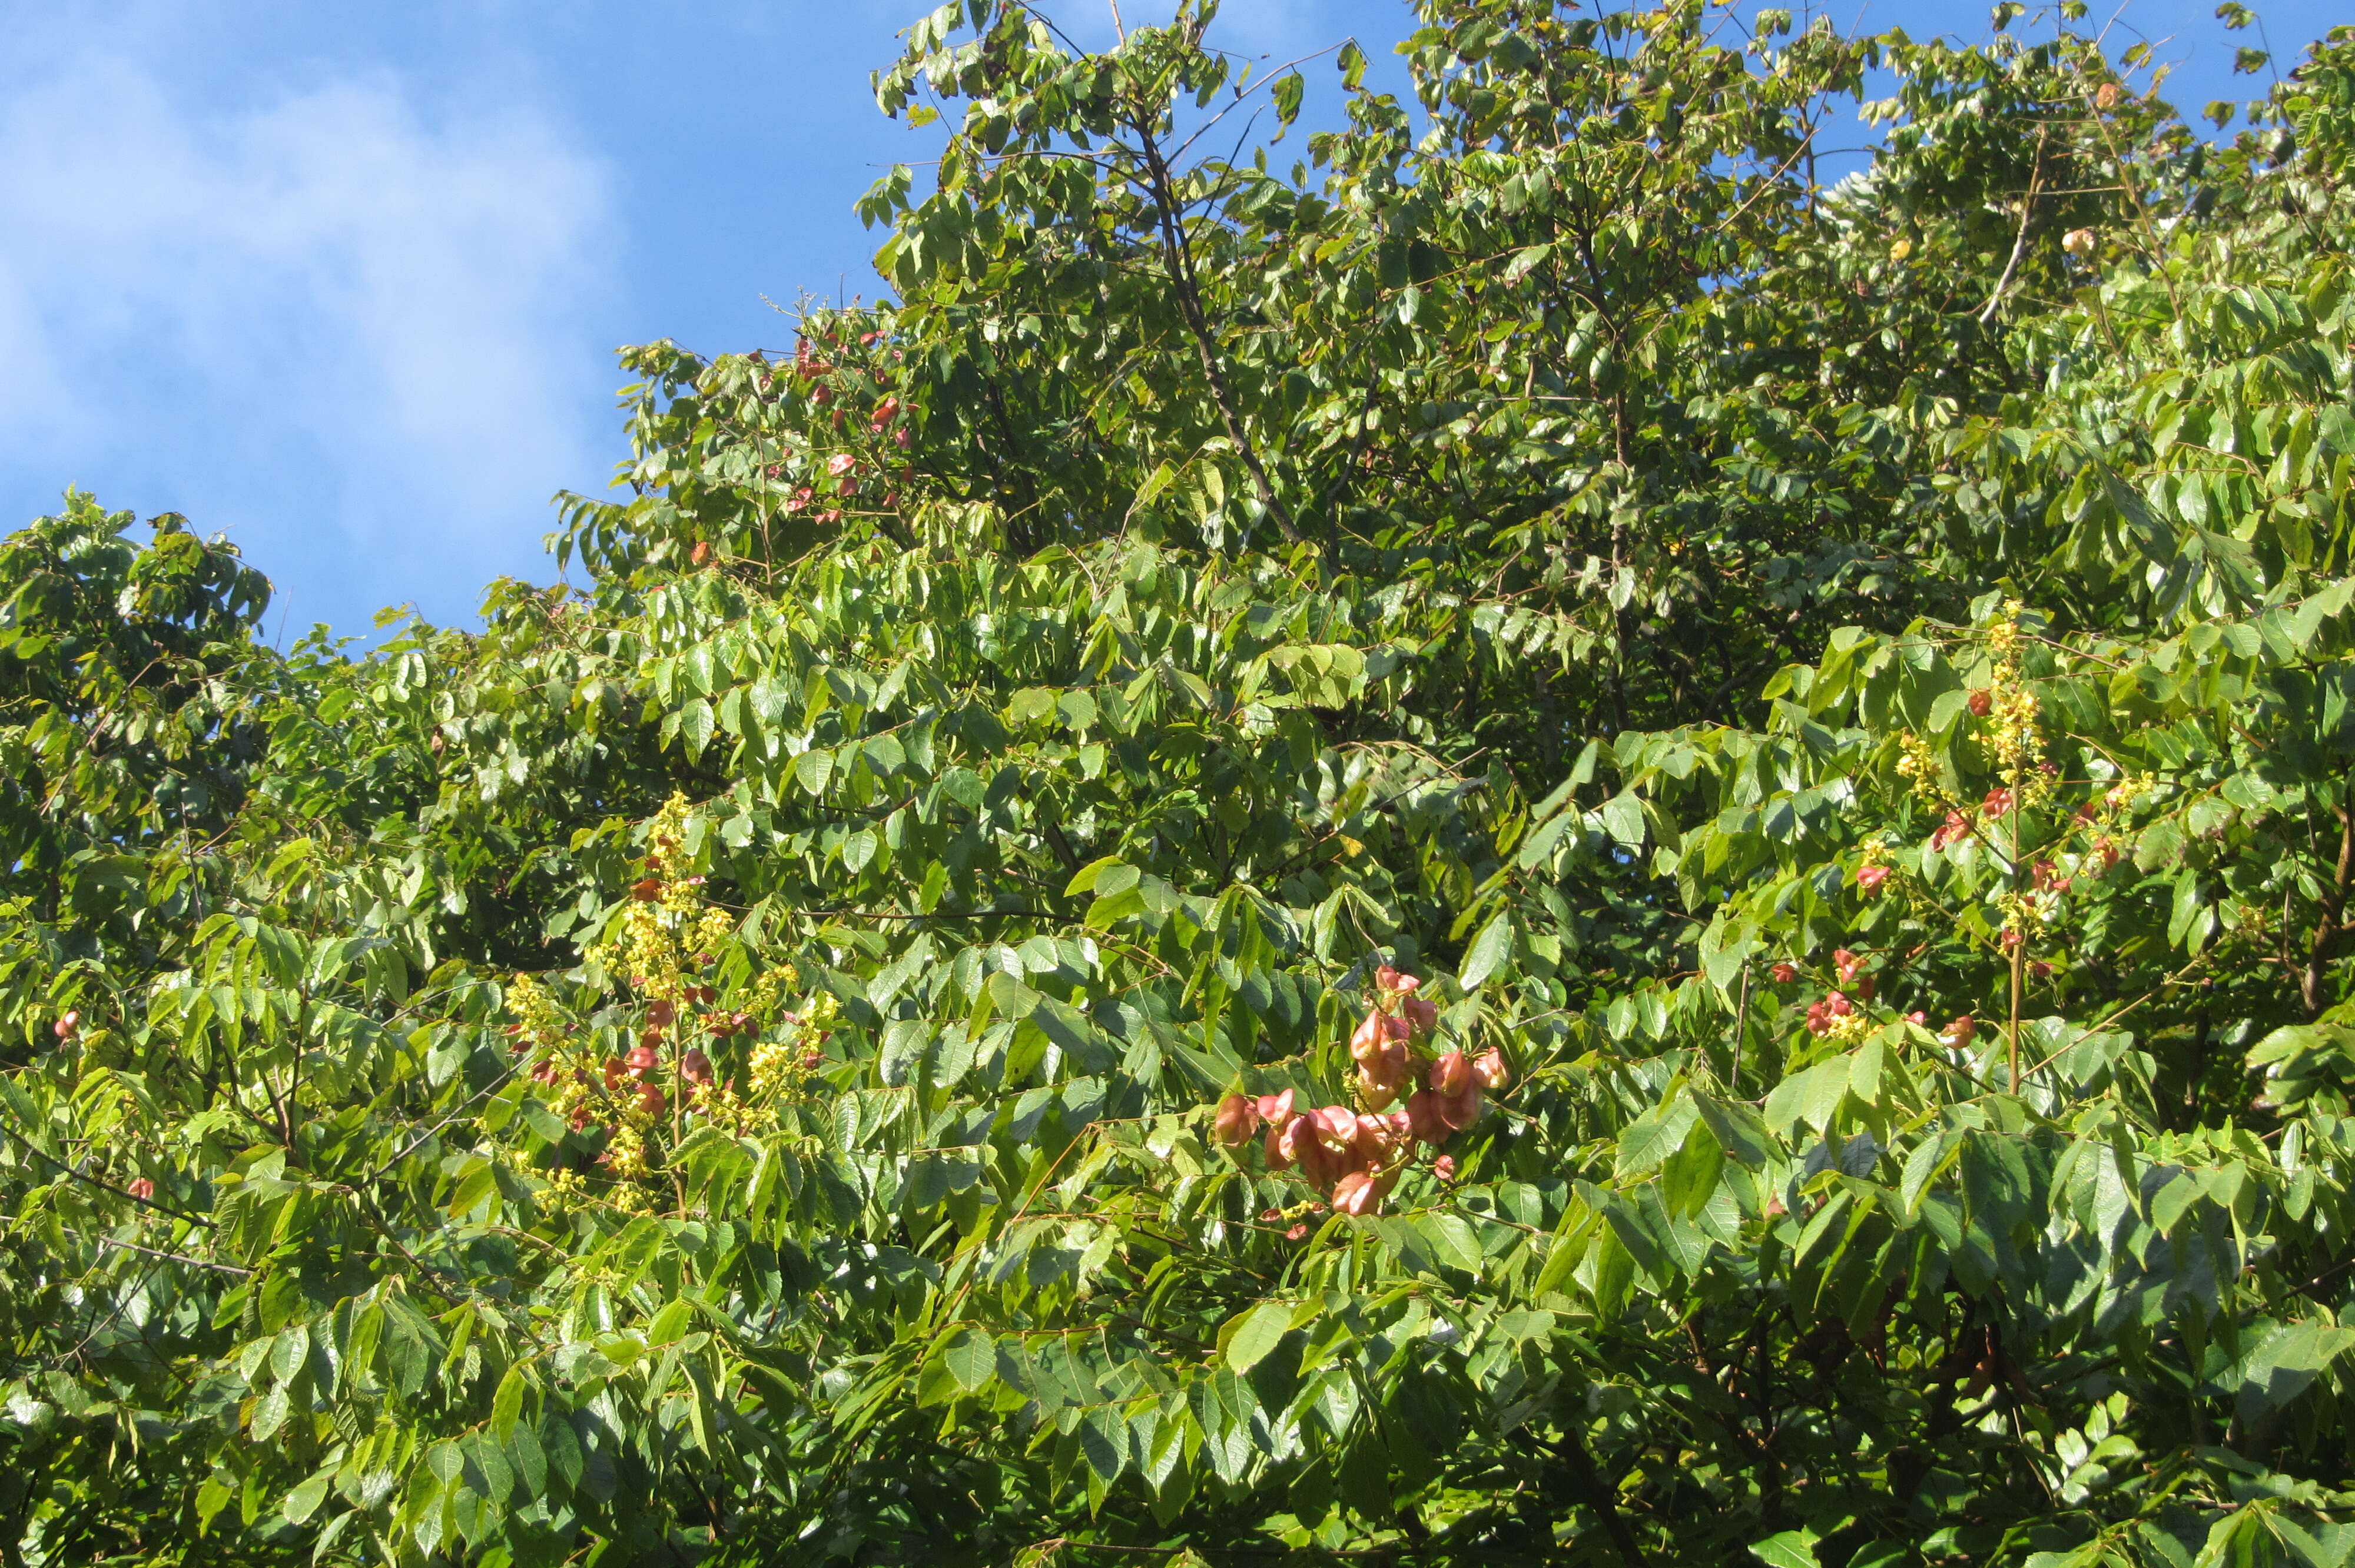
1838	702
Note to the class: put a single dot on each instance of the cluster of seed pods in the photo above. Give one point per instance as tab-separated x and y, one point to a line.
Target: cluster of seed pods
1353	1155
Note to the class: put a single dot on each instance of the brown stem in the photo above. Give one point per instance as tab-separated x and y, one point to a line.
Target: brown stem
1179	258
2019	942
2019	242
1572	1451
2333	921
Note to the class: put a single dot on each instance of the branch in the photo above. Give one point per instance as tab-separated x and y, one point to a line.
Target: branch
2019	242
37	1152
1178	256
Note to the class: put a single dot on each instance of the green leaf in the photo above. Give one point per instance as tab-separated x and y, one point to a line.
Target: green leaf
971	1359
1253	1336
1791	1548
1689	1177
506	1405
1526	260
1487	952
1652	1137
814	767
270	1413
1623	819
304	1501
1453	1239
1103	877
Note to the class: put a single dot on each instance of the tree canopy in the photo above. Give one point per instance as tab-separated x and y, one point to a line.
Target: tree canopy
1562	836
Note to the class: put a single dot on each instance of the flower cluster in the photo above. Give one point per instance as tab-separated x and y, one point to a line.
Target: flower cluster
1836	1017
1918	759
2012	709
1874	866
639	1103
1354	1155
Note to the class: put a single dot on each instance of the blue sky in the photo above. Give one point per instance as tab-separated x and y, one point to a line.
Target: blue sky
343	282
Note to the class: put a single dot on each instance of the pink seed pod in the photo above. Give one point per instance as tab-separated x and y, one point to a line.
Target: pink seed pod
1289	1143
1358	1193
1234	1121
1336	1127
1490	1070
1450	1074
1460	1111
1378	1031
1322	1165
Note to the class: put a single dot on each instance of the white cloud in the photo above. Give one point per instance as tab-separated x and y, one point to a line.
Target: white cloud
352	332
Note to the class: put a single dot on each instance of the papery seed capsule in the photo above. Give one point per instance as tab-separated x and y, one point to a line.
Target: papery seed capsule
1322	1165
1490	1070
1234	1121
1336	1127
1460	1111
650	1099
660	1012
1288	1142
1275	1109
641	1060
1423	1118
1391	1067
1357	1192
141	1188
1450	1074
1375	1142
695	1067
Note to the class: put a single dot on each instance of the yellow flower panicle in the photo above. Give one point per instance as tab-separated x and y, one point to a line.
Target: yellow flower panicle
665	948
